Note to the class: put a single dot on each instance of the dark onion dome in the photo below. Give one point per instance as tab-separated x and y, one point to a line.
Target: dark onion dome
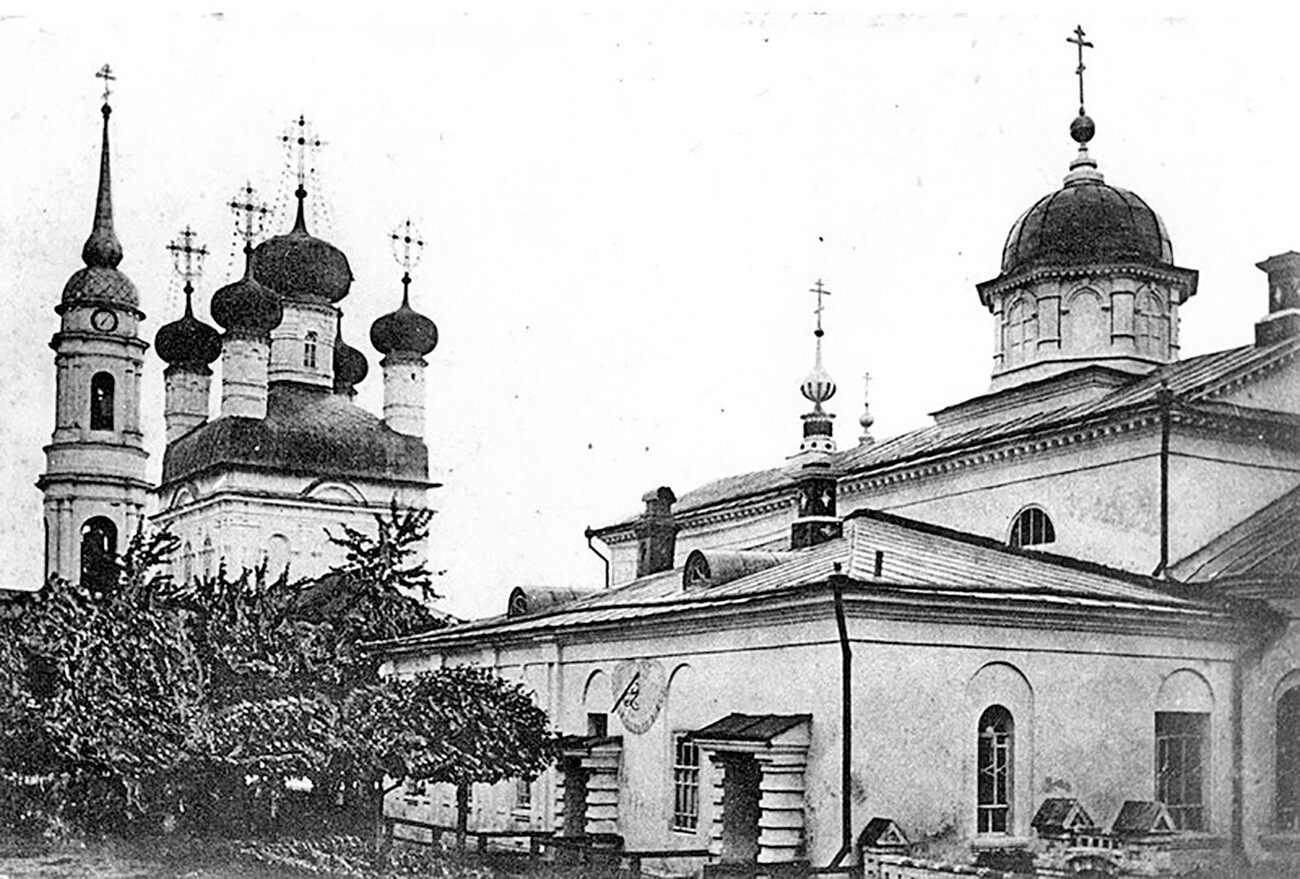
246	305
1086	222
300	267
405	330
350	366
188	342
100	280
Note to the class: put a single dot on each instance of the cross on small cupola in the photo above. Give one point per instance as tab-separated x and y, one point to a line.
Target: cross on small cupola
187	257
408	247
1082	128
1081	43
250	214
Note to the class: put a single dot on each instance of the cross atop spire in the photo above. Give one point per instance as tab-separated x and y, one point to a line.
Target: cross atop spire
1078	40
106	74
821	291
187	257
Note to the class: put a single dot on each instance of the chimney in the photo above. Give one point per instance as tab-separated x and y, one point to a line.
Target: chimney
1283	318
656	533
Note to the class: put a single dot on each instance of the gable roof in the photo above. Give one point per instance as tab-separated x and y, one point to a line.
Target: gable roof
922	566
1195	382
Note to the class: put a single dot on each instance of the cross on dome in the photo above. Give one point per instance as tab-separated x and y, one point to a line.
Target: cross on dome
821	291
187	257
300	140
252	212
408	246
1078	40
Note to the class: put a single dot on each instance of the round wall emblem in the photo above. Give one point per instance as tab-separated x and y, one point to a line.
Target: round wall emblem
639	689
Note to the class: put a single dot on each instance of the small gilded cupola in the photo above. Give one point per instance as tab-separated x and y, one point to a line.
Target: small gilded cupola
816	520
350	365
405	337
249	312
188	346
308	274
1088	277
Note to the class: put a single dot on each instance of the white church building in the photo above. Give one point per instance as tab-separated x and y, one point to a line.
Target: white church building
283	453
1052	630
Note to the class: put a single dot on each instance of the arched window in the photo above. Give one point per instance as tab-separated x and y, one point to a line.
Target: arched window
207	557
1031	527
1288	760
187	563
101	401
1022	332
309	350
993	771
1149	326
98	553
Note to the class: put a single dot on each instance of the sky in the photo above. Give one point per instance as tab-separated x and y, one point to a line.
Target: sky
624	214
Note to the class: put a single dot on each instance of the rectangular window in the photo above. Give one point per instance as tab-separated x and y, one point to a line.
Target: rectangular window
598	725
686	784
1180	766
523	795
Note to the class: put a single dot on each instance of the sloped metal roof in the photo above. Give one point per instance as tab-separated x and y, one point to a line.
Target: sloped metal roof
750	727
920	562
1194	380
1264	546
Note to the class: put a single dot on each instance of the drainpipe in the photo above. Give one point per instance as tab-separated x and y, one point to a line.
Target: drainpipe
590	535
1165	400
846	721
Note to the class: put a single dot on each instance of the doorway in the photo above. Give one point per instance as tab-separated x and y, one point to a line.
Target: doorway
740	808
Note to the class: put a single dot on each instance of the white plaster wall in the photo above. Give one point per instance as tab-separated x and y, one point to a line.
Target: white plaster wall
1089	734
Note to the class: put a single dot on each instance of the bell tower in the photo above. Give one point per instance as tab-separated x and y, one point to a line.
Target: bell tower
94	481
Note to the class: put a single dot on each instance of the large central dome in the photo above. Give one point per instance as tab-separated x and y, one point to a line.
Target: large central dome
1087	222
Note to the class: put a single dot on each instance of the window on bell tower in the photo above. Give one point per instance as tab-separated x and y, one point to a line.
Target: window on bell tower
309	351
101	401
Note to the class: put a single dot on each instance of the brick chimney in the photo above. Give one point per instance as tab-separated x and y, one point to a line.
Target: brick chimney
656	532
1283	318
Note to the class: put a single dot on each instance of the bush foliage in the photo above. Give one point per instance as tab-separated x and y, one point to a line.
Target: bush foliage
150	701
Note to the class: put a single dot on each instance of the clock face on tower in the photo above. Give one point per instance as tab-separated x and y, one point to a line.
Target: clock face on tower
103	320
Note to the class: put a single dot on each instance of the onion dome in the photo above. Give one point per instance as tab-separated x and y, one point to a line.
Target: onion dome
405	330
1086	222
350	366
188	342
100	280
246	306
818	386
298	266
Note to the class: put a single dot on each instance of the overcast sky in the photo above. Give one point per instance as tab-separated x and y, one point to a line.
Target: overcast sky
624	213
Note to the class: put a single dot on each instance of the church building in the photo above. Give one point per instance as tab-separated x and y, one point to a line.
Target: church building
1052	631
258	472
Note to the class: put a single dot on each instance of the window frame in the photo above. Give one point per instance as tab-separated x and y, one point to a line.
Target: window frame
685	816
996	800
1286	812
1038	520
309	347
1175	774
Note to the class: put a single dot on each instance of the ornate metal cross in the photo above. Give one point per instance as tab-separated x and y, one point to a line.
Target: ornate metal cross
1078	40
253	212
187	257
407	245
106	74
821	291
300	139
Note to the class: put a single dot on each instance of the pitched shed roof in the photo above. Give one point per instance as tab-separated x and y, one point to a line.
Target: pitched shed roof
750	727
921	563
1265	546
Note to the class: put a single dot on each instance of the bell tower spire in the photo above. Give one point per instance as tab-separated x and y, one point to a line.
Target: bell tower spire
94	481
816	520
